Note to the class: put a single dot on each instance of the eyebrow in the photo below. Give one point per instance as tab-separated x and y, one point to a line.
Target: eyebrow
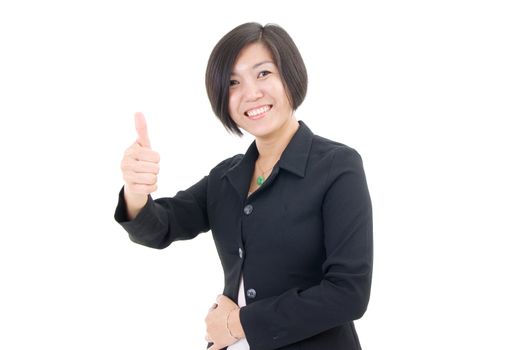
261	63
256	66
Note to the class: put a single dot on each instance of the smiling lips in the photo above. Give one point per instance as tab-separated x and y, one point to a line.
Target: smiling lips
257	113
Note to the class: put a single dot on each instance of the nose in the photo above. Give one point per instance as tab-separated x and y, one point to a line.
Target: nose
252	91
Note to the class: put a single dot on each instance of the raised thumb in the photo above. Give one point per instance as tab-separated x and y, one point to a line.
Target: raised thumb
141	128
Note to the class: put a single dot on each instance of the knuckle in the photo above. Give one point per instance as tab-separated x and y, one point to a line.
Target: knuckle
155	157
125	166
146	180
127	175
131	156
129	151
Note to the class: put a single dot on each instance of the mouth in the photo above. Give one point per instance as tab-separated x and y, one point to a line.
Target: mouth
258	112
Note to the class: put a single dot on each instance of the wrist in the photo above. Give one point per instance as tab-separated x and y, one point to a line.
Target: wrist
233	324
134	202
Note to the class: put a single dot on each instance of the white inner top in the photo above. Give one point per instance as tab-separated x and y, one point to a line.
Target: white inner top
242	344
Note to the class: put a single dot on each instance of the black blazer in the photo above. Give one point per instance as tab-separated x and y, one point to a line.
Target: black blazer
303	240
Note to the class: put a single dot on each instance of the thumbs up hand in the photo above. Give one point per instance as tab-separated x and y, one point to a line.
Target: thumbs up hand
140	166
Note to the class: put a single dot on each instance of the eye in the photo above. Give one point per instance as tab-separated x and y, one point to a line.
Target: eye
233	82
264	73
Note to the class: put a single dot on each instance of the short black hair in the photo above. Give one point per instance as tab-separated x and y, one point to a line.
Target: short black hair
285	55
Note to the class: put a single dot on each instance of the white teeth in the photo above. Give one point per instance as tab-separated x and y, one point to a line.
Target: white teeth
258	111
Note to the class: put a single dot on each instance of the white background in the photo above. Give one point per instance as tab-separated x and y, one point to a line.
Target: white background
433	95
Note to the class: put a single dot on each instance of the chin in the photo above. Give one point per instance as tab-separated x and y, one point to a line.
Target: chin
257	132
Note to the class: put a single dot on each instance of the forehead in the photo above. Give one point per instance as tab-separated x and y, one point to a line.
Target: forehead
250	56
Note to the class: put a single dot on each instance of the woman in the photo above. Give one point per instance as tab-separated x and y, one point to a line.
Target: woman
291	218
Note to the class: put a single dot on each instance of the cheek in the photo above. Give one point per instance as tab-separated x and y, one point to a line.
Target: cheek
280	93
233	104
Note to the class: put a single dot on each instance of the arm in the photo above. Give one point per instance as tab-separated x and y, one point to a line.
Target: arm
164	220
343	294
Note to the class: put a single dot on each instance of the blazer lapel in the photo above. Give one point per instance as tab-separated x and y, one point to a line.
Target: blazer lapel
241	173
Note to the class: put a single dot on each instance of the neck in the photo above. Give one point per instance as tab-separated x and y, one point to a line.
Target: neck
272	146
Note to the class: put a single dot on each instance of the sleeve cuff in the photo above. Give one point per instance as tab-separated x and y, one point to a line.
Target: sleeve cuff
121	215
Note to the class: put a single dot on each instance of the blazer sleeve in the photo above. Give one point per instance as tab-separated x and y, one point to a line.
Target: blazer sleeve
164	220
344	292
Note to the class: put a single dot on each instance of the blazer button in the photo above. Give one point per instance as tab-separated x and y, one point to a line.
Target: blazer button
240	253
251	293
248	209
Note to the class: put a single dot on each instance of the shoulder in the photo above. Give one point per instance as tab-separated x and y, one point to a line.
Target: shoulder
226	164
342	164
333	152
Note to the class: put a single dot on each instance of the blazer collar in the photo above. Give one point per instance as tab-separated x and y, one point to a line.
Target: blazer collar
293	159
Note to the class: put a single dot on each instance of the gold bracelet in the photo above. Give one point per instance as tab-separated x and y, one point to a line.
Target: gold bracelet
227	325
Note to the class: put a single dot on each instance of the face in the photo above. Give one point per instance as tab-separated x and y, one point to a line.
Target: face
257	98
